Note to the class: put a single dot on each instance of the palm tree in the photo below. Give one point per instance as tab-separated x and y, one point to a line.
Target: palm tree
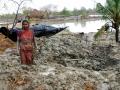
111	11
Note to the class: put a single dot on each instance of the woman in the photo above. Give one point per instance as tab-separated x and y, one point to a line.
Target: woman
26	43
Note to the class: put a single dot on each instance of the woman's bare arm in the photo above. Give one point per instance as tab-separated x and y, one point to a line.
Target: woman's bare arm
18	44
34	42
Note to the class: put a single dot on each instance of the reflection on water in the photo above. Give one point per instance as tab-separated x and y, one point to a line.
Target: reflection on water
83	26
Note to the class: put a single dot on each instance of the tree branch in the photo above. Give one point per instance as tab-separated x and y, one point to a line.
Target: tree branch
19	4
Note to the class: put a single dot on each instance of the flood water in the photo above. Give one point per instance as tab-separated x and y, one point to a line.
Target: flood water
82	26
76	26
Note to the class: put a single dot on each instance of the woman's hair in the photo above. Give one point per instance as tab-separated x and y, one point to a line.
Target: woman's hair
25	21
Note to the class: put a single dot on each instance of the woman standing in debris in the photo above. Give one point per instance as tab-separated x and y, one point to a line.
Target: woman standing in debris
26	43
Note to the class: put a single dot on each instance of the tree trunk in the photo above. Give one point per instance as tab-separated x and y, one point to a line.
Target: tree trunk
117	32
117	35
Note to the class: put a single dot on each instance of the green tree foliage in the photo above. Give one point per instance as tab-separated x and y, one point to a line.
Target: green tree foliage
100	32
7	16
76	12
26	11
65	12
51	12
111	11
84	12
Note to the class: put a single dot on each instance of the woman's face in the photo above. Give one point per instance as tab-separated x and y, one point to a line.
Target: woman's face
25	25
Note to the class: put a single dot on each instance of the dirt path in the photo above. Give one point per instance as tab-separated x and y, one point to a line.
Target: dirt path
5	43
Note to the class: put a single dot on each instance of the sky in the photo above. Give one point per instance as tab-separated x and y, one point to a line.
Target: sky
10	7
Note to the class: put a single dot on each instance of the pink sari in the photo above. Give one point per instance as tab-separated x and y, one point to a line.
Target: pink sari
26	39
